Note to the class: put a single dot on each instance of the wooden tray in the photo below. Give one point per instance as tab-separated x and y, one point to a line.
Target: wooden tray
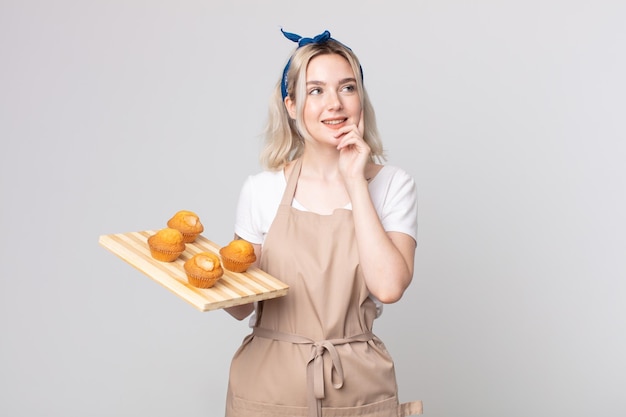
234	288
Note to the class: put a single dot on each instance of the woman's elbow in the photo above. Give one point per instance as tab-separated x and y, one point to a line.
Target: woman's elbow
392	293
390	297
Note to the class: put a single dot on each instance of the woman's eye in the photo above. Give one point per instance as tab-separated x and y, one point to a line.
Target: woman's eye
349	88
315	91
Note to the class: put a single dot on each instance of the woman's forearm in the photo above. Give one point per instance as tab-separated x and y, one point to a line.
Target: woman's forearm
385	258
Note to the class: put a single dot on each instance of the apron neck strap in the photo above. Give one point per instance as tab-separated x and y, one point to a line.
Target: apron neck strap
292	182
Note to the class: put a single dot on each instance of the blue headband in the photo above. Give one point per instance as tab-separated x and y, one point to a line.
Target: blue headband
321	38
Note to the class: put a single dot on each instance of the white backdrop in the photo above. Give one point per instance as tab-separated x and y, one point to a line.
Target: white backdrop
510	115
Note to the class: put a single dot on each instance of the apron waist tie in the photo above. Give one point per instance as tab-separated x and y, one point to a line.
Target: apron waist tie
315	365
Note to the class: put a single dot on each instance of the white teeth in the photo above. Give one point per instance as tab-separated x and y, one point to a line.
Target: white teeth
333	122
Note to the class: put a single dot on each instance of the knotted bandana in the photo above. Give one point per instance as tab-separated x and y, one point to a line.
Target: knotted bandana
321	38
301	41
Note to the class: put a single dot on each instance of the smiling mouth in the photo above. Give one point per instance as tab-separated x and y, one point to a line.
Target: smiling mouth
334	122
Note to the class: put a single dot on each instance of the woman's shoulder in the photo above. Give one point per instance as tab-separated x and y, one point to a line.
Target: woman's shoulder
392	173
264	186
266	178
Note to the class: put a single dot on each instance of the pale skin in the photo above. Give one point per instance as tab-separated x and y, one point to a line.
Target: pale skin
336	168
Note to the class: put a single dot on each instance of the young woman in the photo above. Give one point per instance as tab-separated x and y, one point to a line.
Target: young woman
337	226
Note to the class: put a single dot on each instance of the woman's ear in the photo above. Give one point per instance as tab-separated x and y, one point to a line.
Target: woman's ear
290	105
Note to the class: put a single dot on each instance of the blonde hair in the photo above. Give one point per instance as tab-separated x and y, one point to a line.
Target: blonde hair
285	137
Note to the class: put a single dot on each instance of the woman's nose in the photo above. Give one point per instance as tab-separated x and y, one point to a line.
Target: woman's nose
333	101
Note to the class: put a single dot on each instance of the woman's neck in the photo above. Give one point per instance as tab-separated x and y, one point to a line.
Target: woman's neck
321	164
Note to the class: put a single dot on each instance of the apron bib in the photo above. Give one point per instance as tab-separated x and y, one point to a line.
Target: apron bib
312	353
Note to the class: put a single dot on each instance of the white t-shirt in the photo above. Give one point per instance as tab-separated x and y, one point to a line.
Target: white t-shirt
392	190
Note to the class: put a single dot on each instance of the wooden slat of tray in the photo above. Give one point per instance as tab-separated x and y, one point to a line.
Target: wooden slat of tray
233	288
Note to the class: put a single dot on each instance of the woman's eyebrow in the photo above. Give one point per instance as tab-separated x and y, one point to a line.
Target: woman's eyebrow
342	81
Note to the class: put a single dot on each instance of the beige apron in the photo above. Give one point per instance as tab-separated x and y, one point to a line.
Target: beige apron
312	352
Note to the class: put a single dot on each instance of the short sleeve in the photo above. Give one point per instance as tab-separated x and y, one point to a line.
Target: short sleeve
246	218
259	199
399	213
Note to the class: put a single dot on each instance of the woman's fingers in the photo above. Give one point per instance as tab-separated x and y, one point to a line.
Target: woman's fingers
361	125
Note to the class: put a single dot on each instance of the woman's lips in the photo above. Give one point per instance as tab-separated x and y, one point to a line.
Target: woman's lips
334	123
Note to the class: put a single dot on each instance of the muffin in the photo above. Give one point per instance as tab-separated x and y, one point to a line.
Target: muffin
203	269
188	223
166	245
238	255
